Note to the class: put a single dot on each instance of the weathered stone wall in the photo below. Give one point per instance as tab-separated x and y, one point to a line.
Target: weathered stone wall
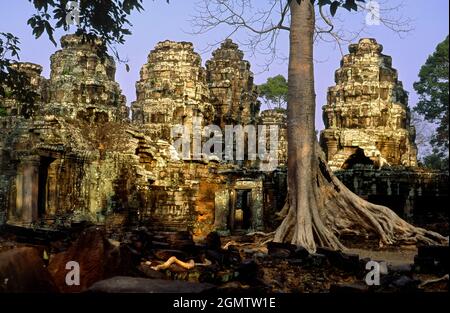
413	193
367	109
79	158
276	118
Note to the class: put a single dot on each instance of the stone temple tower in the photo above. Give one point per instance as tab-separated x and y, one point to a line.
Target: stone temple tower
172	90
81	83
230	80
366	116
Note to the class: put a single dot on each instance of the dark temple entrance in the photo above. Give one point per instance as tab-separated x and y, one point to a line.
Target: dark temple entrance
242	211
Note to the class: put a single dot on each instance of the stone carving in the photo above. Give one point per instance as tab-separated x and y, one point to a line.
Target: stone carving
81	83
230	81
80	158
172	90
367	110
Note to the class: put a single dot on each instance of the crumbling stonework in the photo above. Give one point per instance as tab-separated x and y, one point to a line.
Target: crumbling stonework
277	118
172	90
37	84
368	139
82	82
79	158
230	81
367	110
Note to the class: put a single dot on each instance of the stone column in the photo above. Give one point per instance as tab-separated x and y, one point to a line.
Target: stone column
27	184
222	209
51	188
257	208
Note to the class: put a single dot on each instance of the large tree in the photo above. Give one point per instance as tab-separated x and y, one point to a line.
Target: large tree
274	91
319	208
433	90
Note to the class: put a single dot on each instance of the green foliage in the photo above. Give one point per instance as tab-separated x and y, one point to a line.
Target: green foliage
433	90
349	5
2	112
107	19
14	84
275	91
436	161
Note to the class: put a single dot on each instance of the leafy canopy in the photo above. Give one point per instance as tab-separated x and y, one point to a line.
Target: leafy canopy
436	161
433	91
13	84
107	19
275	91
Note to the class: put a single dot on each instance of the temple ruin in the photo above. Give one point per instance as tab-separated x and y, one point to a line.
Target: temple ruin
82	158
368	139
367	114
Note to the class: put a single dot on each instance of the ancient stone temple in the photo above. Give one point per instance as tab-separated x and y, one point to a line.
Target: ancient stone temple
230	81
79	157
368	139
367	116
172	90
83	82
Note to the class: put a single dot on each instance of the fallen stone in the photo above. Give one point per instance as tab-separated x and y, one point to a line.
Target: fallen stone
225	276
399	268
97	258
345	261
232	256
215	256
300	253
247	271
160	244
405	282
212	241
316	260
22	270
150	273
297	262
124	284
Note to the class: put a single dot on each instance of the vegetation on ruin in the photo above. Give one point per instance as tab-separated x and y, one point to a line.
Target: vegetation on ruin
319	208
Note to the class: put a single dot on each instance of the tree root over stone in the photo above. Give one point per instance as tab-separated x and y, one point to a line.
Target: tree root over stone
322	211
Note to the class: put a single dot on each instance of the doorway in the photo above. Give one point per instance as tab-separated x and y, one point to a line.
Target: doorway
242	210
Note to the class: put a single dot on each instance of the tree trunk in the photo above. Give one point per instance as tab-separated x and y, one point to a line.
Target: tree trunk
320	208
